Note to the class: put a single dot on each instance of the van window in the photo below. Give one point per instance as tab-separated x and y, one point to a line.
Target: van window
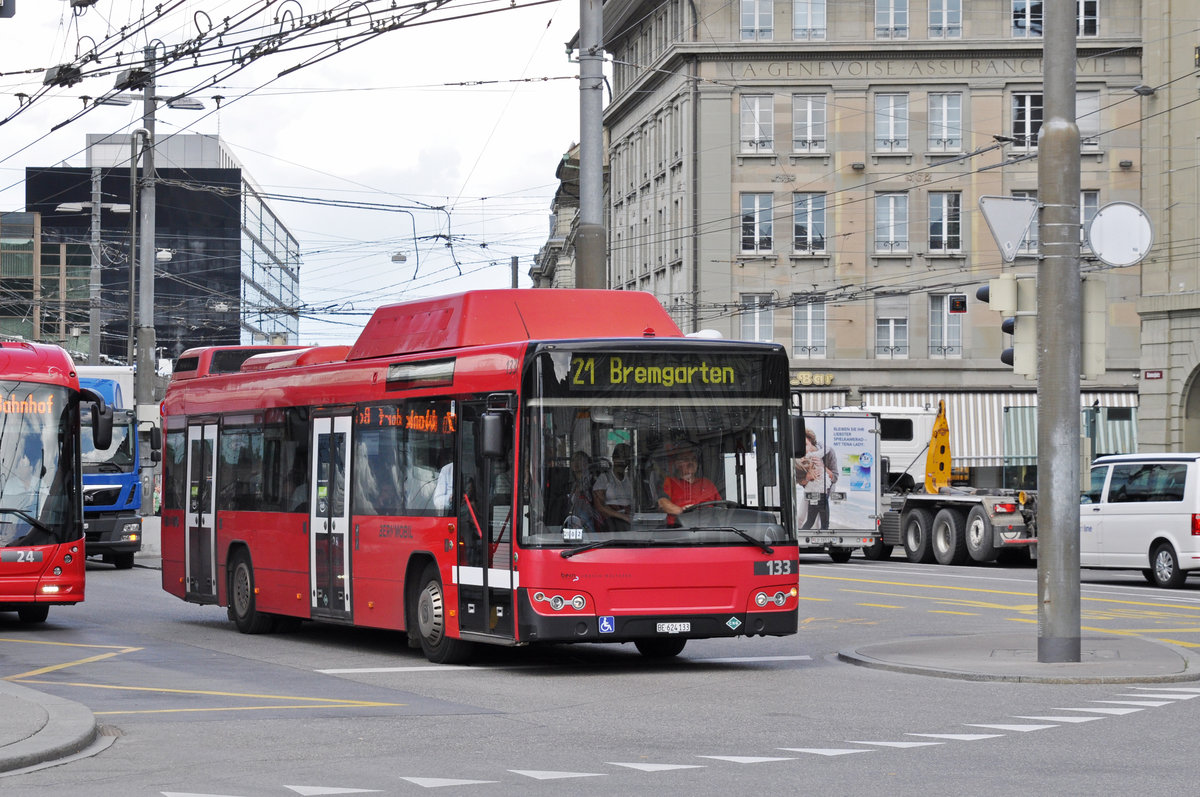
1152	481
1096	487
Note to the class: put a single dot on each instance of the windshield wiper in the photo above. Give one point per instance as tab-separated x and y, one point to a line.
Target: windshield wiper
590	546
744	535
37	524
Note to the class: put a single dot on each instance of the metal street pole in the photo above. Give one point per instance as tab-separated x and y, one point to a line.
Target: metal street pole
1059	322
590	268
94	275
146	366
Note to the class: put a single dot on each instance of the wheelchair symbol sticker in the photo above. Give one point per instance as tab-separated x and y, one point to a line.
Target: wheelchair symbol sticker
607	625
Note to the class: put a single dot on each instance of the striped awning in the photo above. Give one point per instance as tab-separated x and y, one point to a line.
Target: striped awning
991	428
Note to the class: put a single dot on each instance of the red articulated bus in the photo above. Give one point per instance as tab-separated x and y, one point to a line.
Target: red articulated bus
499	466
41	491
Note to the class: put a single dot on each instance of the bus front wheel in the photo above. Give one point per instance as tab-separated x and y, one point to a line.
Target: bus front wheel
33	614
242	609
431	622
659	648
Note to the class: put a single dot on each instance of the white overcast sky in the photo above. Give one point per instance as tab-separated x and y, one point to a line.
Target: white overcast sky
379	123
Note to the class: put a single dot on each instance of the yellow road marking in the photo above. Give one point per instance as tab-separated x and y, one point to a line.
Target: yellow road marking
244	708
66	664
881	605
947	611
208	693
66	644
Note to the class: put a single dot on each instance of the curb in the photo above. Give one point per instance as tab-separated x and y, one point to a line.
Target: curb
1163	664
70	727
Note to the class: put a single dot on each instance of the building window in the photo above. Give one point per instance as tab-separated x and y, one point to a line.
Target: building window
1089	18
1029	244
891	19
808	20
891	122
945	221
1027	119
945	329
891	222
1027	18
758	317
808	122
756	223
758	123
757	23
1087	117
808	327
945	122
891	338
808	223
945	19
1089	203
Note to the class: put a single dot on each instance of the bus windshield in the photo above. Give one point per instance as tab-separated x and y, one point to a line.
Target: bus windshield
36	502
653	448
118	457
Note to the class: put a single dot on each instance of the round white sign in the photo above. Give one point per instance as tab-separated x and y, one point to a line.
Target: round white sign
1120	234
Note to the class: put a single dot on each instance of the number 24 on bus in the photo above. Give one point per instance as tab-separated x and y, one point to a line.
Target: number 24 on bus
487	467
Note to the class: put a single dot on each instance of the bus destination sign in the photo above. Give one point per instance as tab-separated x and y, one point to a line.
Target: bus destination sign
664	372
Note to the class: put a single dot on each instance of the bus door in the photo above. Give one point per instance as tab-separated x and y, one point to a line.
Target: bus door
329	518
485	519
200	525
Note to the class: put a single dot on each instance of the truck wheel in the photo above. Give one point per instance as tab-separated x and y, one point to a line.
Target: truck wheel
949	545
241	598
431	622
1166	567
840	555
123	561
979	535
878	550
915	533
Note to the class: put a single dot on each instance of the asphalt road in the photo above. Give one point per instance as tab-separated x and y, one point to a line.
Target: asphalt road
199	709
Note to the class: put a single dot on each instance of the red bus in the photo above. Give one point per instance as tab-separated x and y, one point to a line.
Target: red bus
490	467
41	492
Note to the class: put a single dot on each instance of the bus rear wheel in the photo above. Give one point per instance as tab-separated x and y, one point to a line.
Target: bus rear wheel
33	614
241	598
431	622
659	648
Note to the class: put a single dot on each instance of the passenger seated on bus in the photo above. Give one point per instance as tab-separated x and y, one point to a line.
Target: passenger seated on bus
581	502
443	491
613	491
297	491
685	487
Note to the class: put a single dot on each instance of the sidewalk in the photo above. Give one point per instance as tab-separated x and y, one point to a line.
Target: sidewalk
36	727
1104	659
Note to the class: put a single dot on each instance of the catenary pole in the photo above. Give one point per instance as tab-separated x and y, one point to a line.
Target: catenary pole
1059	319
146	367
590	267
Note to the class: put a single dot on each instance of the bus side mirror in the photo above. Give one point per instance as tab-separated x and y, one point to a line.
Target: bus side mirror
102	419
497	432
155	439
798	447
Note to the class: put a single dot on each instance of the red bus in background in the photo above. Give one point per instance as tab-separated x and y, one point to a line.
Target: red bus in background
439	477
41	492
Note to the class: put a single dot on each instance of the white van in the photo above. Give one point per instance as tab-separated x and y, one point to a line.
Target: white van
1142	512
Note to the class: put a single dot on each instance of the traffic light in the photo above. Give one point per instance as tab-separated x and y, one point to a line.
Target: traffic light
1015	298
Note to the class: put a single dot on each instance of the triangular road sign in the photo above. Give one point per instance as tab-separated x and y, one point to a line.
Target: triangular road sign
1008	217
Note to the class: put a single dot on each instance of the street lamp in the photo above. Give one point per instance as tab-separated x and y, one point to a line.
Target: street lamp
94	273
142	79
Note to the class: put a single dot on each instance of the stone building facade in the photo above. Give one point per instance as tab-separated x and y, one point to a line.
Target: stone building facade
809	172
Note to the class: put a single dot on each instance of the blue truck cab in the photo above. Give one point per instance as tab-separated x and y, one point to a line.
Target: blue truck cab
112	487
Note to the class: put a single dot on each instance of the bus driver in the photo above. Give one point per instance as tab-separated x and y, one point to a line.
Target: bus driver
685	487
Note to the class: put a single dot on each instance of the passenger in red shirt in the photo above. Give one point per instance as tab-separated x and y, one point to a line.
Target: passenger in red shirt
685	487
